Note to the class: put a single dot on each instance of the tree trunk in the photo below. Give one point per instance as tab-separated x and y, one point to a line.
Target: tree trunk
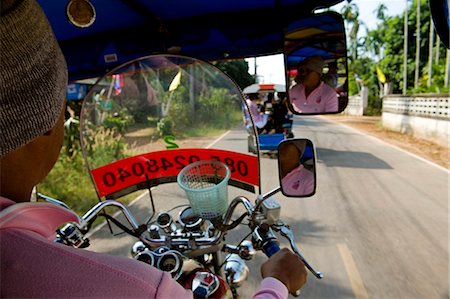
438	45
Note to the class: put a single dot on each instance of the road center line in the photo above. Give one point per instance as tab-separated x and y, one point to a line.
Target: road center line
352	272
218	139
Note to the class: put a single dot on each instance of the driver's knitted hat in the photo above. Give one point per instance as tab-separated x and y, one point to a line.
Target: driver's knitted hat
33	74
314	63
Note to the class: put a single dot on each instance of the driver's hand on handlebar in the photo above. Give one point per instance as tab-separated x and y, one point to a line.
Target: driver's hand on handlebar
287	268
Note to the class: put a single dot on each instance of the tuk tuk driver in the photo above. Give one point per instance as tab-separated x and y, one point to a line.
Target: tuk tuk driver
310	94
33	80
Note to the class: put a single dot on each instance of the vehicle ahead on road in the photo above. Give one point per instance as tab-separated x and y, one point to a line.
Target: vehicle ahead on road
268	105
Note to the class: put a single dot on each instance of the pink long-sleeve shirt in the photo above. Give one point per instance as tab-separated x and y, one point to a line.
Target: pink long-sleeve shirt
32	265
322	99
299	181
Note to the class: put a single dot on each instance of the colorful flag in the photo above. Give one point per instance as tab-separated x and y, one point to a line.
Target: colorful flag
175	82
118	83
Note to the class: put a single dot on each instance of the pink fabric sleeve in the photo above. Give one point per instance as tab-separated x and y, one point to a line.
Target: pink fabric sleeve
30	215
271	288
4	203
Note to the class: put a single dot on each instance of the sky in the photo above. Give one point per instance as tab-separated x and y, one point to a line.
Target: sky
270	69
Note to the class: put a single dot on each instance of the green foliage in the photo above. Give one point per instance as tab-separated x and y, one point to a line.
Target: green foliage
119	121
237	70
384	48
72	136
165	126
69	182
106	146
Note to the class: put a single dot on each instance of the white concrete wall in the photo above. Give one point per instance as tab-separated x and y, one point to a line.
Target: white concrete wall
358	103
424	116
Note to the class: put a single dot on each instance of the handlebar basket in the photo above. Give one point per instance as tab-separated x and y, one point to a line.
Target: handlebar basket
205	183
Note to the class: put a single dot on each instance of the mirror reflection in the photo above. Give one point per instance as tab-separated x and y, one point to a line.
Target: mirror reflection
317	65
296	167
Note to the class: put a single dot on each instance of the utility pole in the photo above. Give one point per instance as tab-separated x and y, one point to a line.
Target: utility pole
430	52
405	50
447	69
417	68
255	72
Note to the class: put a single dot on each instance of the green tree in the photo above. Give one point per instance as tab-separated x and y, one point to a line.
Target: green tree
387	42
350	13
237	70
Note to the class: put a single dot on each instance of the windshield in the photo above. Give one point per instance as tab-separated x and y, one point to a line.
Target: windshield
144	122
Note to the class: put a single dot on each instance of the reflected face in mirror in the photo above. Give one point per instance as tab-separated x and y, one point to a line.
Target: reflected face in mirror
311	94
296	167
316	65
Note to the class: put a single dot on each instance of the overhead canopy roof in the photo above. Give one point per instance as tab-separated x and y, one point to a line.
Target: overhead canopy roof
127	29
322	35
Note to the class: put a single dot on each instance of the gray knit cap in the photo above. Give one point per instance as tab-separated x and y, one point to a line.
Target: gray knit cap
33	75
314	63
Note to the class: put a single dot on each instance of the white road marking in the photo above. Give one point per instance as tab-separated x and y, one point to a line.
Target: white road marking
352	272
218	139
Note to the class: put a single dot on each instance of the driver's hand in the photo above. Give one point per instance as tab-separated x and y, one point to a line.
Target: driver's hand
287	268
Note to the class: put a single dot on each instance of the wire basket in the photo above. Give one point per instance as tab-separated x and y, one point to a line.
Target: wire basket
206	186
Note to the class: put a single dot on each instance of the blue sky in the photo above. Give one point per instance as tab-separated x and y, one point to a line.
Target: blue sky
271	68
367	8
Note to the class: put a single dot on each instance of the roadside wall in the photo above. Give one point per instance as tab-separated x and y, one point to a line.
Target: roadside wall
357	103
425	116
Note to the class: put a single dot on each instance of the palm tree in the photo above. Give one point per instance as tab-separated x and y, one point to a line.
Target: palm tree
350	13
374	38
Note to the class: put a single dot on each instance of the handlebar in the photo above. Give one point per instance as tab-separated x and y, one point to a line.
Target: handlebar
265	238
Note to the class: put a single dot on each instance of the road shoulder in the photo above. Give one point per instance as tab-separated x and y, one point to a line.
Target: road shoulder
372	125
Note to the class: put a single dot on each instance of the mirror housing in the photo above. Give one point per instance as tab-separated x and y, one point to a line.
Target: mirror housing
440	12
297	167
316	64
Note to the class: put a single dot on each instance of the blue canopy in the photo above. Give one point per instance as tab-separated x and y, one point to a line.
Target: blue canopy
212	30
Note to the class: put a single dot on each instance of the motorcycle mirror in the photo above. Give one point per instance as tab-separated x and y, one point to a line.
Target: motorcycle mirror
440	12
316	62
296	167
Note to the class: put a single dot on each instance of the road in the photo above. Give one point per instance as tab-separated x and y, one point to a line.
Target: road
377	226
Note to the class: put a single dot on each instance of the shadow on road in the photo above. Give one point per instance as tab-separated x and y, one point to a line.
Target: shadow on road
334	158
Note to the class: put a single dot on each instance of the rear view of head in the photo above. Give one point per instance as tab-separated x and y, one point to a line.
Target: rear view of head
32	75
33	79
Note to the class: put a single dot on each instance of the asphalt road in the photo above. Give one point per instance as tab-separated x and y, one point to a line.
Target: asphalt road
377	226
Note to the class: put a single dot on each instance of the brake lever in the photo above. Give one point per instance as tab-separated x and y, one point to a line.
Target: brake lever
286	232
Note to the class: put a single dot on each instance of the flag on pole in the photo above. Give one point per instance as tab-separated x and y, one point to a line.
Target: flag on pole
381	76
175	82
118	83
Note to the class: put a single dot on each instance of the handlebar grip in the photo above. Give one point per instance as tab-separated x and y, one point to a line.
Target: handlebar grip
270	248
